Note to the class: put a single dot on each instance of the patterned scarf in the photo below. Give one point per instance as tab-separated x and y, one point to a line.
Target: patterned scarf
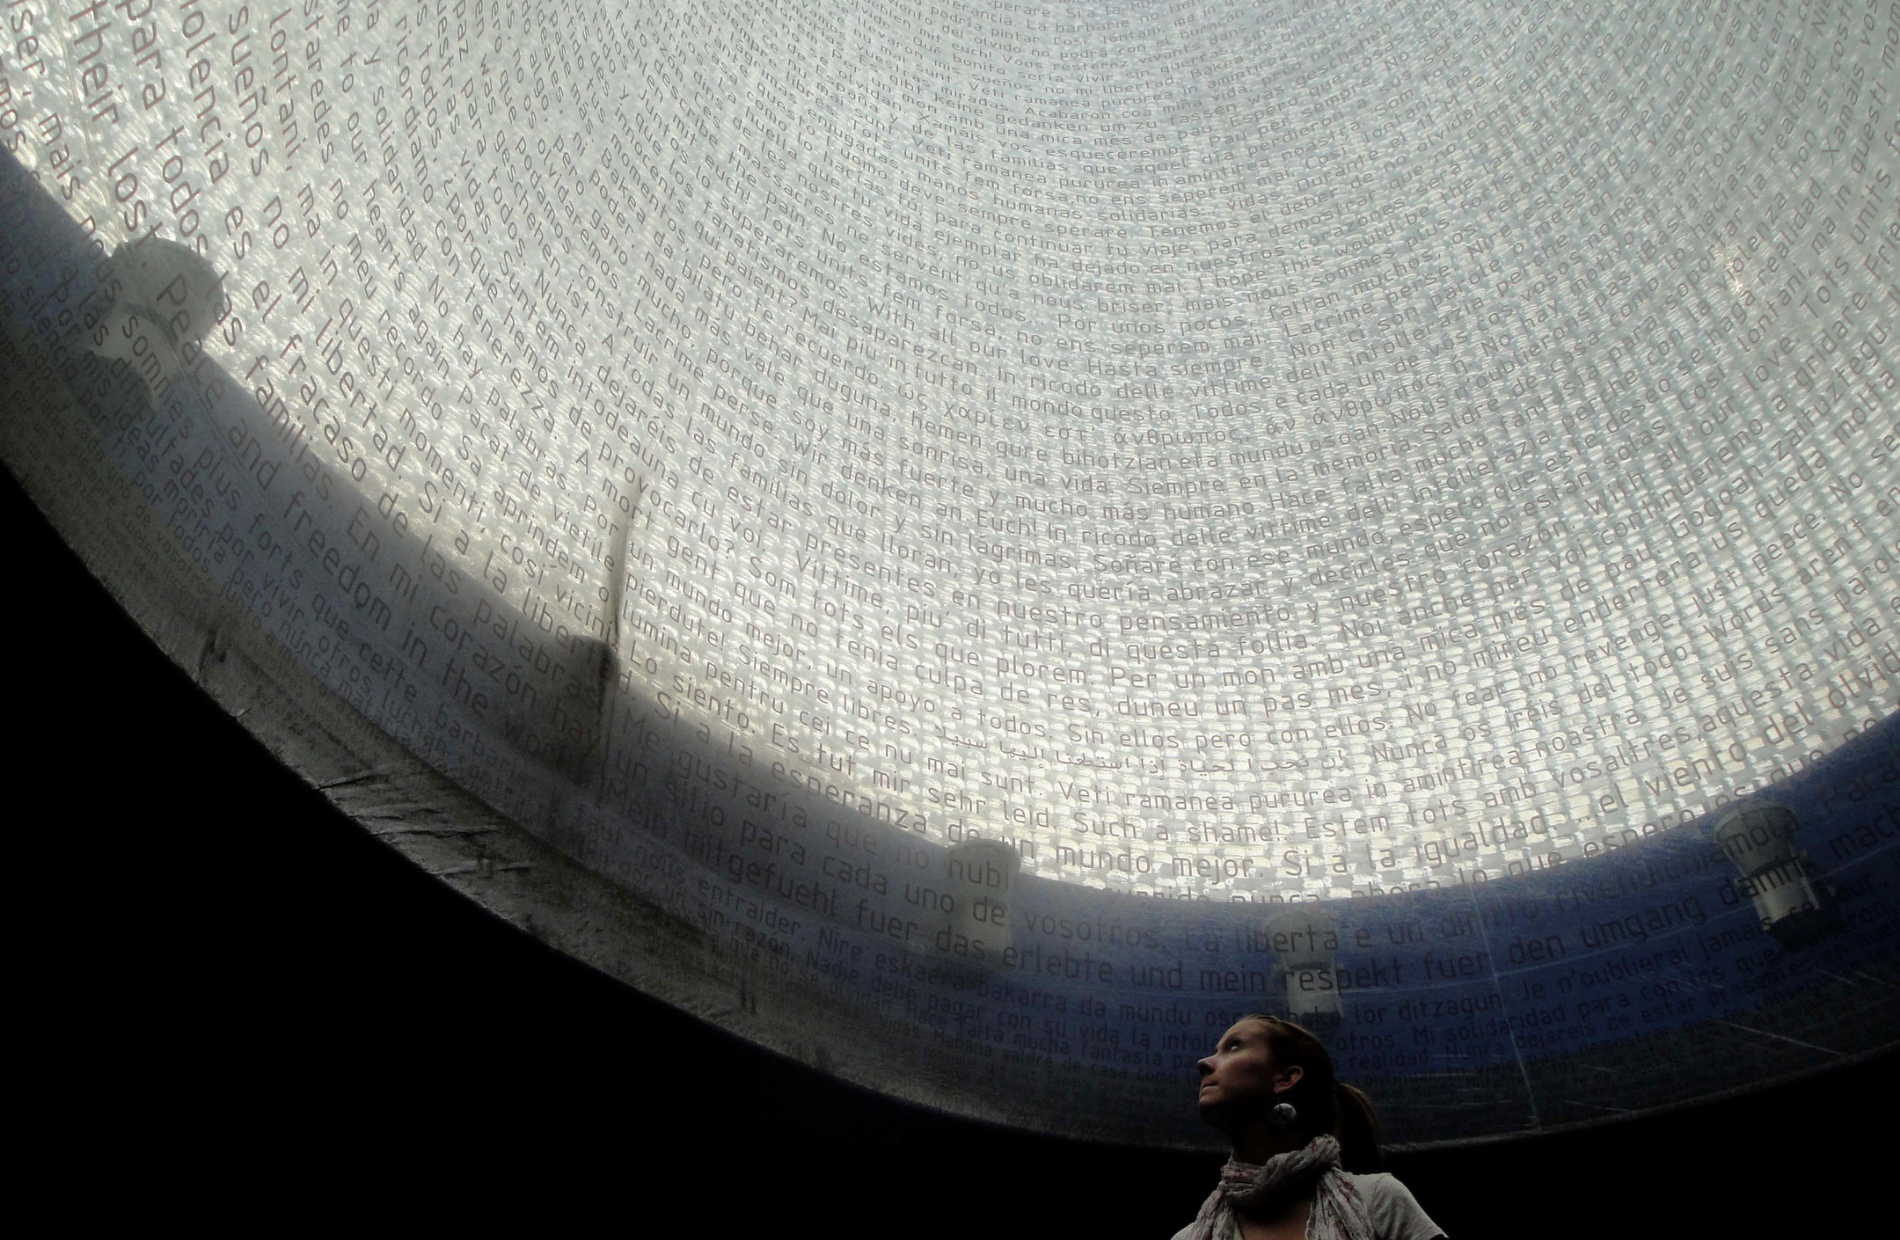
1338	1211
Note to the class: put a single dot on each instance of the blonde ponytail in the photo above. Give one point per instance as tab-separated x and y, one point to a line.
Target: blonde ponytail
1356	1128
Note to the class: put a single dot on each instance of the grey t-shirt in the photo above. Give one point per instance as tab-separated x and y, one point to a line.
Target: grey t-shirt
1395	1213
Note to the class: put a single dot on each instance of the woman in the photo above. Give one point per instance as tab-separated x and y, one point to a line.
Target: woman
1306	1148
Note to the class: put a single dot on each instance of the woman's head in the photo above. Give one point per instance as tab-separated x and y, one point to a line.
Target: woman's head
1263	1061
164	300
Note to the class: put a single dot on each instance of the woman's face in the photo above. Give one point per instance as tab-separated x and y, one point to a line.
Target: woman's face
1240	1080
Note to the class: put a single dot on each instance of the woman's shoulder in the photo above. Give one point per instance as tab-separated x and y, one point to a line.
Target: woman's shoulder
1395	1213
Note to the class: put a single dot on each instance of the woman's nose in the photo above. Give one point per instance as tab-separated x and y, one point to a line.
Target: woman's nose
1204	1066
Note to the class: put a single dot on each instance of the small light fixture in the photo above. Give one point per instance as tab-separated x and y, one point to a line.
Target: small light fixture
1306	942
1791	898
974	926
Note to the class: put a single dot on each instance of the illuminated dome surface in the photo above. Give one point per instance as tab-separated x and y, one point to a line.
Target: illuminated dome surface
972	545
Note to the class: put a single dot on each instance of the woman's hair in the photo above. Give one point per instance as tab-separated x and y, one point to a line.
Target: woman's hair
1325	1103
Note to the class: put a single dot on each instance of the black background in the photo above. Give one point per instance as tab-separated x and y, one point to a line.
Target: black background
236	1000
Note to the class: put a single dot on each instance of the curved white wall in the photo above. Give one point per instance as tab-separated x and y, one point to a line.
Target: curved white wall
1241	456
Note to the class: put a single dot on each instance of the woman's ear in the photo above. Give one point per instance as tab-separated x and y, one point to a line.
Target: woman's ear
1288	1079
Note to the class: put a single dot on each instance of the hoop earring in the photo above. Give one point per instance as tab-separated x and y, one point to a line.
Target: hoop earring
1282	1117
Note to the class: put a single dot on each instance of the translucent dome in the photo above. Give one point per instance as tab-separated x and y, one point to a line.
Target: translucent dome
974	544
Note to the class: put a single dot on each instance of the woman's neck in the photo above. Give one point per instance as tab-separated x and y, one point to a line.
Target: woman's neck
1257	1142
